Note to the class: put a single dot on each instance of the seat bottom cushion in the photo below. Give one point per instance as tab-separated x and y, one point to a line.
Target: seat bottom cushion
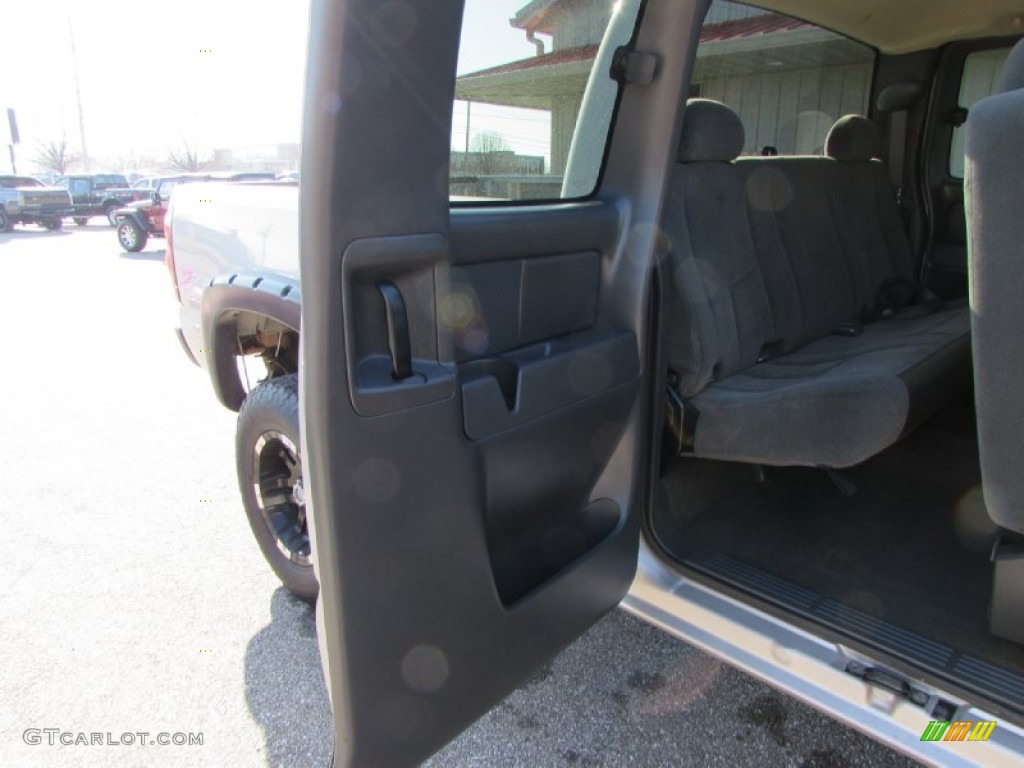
839	400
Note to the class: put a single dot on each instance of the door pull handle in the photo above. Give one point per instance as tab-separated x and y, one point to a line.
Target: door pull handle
398	330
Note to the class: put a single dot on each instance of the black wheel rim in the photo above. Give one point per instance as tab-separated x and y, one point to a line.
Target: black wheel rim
280	494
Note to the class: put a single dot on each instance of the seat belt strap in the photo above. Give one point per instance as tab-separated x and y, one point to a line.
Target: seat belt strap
898	121
897	151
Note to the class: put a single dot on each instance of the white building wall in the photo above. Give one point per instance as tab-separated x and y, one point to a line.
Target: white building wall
792	111
580	22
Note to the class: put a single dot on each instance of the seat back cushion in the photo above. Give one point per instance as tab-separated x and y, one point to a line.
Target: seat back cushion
994	187
811	283
716	305
869	218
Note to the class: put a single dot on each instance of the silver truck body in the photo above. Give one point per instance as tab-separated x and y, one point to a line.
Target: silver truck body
246	236
222	230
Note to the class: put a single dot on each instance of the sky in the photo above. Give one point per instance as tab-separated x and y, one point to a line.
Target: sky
210	73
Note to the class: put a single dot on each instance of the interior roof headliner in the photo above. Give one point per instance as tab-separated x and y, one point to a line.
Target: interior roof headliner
902	26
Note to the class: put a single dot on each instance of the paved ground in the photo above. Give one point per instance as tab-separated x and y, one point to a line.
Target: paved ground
134	598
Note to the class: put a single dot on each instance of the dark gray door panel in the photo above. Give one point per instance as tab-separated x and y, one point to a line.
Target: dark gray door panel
544	371
513	389
456	506
539	517
407	265
537	230
497	306
422	640
466	380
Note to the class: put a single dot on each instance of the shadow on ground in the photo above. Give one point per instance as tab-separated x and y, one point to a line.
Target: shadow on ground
284	686
18	234
143	255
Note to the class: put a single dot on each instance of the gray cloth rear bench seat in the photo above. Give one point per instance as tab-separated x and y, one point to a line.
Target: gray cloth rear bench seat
769	256
994	186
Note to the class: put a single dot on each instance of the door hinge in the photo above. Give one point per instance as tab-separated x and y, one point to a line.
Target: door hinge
633	67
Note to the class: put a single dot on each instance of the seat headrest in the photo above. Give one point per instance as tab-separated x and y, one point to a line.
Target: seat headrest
711	132
853	137
1013	70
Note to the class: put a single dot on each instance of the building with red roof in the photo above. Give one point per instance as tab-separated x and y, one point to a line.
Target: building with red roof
788	80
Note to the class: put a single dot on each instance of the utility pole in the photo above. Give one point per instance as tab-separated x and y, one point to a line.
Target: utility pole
78	96
12	123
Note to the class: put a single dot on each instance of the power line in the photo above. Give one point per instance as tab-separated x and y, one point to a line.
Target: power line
78	96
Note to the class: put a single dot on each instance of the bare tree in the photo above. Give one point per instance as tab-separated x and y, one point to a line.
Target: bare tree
488	143
185	158
55	156
132	161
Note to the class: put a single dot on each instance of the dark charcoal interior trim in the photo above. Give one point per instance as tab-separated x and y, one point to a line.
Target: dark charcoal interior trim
990	680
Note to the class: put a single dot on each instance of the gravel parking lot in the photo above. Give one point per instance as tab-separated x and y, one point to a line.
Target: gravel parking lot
136	600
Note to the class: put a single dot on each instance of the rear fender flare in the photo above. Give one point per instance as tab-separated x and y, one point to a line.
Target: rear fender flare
134	215
224	300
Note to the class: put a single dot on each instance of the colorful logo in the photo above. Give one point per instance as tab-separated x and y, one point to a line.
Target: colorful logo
958	730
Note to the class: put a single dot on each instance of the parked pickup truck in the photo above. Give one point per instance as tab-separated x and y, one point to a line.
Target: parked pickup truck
26	200
232	249
99	194
720	364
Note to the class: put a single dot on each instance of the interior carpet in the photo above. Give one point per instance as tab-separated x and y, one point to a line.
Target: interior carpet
910	548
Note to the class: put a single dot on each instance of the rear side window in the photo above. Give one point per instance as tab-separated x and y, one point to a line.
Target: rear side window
982	71
108	180
524	69
788	80
12	182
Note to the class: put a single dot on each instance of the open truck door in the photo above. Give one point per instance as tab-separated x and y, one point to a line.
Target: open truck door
475	397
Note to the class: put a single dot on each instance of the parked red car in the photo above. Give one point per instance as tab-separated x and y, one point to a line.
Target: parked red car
140	220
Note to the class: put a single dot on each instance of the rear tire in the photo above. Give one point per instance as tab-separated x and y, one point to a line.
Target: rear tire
109	213
53	224
270	480
130	235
